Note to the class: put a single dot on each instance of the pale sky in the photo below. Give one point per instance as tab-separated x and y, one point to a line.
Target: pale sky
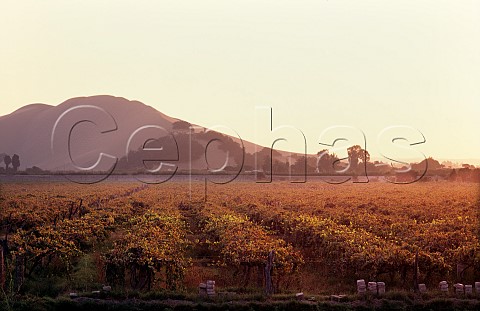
366	64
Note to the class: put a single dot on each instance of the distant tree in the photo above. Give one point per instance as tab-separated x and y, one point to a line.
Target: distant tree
452	176
267	152
7	161
226	144
448	164
475	176
266	165
181	125
325	162
279	167
15	162
34	170
249	163
182	149
434	164
430	162
406	177
356	153
311	164
299	166
464	174
267	157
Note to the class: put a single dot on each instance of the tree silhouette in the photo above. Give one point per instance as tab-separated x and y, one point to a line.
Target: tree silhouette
15	162
453	176
354	154
7	161
325	161
181	126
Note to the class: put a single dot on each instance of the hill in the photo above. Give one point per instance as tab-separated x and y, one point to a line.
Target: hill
107	129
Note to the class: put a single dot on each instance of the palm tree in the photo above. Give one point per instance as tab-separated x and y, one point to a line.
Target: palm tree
15	162
7	161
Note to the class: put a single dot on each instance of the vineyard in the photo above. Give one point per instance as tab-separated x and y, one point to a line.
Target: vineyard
64	237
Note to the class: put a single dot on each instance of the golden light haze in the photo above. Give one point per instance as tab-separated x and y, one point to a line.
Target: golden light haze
368	64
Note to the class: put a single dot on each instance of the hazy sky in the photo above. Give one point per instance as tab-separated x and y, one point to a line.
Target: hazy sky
366	64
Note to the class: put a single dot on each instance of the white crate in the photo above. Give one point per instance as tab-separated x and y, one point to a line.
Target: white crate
361	286
381	287
422	288
443	286
372	287
477	287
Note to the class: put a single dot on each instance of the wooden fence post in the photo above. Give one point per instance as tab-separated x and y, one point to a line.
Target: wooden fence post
268	274
415	273
19	272
2	265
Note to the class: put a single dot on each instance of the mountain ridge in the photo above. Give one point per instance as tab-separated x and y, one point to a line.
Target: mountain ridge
27	131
